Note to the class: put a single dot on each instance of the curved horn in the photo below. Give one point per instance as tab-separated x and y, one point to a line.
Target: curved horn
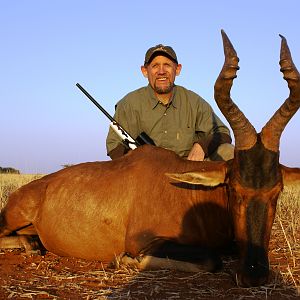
271	132
244	133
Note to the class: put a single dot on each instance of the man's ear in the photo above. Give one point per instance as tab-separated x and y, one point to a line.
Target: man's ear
178	69
144	71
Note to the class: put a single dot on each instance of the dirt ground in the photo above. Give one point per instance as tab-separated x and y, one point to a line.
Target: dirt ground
52	277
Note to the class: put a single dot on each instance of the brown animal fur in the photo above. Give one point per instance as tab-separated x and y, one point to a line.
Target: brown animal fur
102	209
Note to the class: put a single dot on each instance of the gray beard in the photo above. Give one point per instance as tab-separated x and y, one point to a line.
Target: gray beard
166	90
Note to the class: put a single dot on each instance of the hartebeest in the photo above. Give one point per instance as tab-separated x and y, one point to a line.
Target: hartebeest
102	209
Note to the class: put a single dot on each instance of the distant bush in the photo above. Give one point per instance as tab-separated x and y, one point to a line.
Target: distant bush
67	165
9	171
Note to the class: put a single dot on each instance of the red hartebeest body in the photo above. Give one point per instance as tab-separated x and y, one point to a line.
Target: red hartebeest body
120	209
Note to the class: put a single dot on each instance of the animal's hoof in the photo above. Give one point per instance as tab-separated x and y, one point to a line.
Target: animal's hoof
121	260
34	252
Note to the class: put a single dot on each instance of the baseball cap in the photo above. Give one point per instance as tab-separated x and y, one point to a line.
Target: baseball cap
162	50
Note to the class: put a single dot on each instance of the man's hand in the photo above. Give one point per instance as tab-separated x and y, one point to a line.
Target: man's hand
196	153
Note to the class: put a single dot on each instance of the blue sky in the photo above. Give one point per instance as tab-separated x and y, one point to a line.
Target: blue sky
49	46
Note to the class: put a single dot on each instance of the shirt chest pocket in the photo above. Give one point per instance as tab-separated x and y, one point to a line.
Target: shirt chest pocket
184	139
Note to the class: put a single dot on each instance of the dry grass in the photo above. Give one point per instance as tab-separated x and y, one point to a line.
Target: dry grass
54	277
286	236
11	182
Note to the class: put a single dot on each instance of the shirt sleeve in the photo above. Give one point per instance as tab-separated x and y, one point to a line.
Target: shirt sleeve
124	115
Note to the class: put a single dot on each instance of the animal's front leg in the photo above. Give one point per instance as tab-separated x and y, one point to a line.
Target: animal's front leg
203	256
148	262
165	254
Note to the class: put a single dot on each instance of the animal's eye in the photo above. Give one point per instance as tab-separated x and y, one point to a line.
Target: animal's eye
239	199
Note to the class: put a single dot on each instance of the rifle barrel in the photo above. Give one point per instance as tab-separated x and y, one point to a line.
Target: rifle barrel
95	102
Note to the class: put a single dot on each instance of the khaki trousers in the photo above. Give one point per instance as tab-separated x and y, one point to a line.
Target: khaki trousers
224	152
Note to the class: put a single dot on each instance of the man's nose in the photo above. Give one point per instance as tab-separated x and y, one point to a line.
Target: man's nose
161	69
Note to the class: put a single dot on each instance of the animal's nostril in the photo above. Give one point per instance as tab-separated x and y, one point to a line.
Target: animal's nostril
252	275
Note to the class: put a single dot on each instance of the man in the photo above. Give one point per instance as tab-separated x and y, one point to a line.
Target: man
173	117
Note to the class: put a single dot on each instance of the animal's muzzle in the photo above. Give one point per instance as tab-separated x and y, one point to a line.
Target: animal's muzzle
254	268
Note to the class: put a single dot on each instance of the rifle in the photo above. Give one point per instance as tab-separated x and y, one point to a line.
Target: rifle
126	138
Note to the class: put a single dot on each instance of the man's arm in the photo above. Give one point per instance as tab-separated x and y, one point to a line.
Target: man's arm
124	116
211	142
211	131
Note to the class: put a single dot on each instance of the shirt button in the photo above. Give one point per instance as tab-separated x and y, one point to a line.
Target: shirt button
166	131
165	114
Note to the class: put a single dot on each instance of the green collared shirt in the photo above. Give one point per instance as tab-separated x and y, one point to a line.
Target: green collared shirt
187	119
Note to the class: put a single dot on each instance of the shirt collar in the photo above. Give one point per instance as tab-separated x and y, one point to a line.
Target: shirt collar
155	101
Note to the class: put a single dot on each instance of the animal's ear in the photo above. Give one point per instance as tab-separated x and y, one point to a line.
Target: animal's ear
206	178
290	176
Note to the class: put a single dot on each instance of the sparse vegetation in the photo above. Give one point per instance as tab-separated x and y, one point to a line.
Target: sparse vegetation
11	182
285	239
67	165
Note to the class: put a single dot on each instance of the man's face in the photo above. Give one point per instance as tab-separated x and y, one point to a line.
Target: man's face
161	73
